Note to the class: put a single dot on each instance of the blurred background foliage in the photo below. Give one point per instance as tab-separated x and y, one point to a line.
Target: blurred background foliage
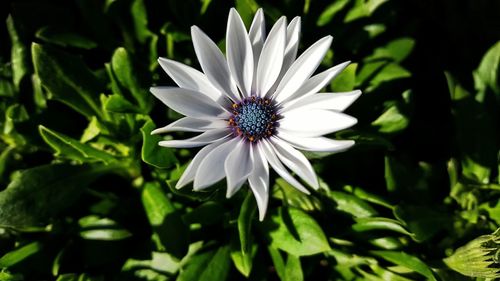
86	194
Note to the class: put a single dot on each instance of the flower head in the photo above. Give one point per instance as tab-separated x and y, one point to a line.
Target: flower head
254	107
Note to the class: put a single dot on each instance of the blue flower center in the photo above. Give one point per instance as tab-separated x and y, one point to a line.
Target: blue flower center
254	118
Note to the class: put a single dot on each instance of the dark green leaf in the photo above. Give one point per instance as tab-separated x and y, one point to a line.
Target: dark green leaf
73	149
41	193
294	232
377	223
20	56
117	103
170	232
67	79
247	213
64	38
405	260
351	204
211	265
152	153
126	74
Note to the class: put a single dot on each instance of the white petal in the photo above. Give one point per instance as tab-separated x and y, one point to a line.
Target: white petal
189	124
201	139
302	69
190	78
278	167
295	161
329	101
211	169
315	83
271	58
257	33
259	180
314	122
316	144
238	166
213	63
292	45
190	172
189	103
239	53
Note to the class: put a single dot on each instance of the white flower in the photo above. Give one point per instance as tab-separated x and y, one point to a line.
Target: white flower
257	106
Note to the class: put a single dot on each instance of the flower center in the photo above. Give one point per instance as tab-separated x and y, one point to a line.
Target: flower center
254	118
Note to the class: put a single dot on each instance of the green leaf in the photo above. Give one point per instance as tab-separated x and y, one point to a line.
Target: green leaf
294	232
95	228
346	80
388	73
247	212
279	263
73	149
7	276
159	262
20	56
140	21
247	9
351	204
293	269
378	223
330	12
363	8
128	77
151	152
487	74
64	38
18	255
170	232
117	103
391	121
295	198
408	261
397	50
243	261
43	192
209	265
67	79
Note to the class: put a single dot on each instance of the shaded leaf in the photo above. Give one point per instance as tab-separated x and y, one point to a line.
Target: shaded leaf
151	152
294	232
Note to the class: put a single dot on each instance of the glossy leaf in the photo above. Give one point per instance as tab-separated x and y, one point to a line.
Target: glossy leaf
294	232
151	152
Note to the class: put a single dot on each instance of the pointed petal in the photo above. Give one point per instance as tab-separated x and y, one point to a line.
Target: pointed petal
295	161
316	144
188	102
329	101
292	42
213	63
314	122
239	53
302	69
211	169
278	167
238	166
190	172
257	33
315	83
189	78
189	124
259	181
201	139
271	58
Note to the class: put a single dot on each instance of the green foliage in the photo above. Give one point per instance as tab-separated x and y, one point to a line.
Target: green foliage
87	194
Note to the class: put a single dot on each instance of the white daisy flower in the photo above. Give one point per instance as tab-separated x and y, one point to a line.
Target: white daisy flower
257	106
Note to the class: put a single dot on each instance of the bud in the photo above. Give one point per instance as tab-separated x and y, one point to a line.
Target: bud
478	258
